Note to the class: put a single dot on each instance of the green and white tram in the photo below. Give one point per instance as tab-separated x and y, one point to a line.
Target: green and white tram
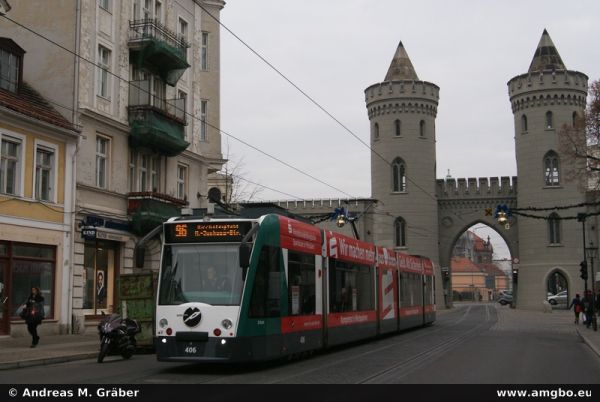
235	290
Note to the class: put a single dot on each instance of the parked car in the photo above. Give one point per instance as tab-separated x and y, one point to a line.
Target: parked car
505	297
559	298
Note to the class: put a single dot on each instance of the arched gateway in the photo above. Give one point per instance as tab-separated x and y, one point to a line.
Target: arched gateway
415	213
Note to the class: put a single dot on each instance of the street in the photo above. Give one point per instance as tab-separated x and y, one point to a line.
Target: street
473	343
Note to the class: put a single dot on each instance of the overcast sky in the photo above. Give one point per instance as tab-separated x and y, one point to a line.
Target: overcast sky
334	49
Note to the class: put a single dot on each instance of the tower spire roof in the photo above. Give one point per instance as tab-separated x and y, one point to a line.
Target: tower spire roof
546	56
401	68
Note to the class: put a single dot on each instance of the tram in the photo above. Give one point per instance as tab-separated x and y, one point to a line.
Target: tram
239	290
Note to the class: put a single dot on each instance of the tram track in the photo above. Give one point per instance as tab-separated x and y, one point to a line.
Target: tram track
350	358
401	369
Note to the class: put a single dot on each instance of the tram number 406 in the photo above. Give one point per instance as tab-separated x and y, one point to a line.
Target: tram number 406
190	350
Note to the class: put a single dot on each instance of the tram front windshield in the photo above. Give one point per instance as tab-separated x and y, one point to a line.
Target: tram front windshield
203	273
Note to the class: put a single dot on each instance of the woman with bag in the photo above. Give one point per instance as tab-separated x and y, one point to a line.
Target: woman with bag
577	305
33	314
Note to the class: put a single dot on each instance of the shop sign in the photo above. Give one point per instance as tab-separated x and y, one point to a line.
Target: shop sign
88	233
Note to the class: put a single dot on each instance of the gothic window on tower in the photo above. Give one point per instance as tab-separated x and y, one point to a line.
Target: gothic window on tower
554	228
549	120
575	119
551	169
398	127
400	232
422	128
398	176
376	131
523	124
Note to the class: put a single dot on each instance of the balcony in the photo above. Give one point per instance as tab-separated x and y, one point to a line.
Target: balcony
157	124
149	209
158	49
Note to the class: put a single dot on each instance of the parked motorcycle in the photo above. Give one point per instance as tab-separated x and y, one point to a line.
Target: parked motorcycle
117	336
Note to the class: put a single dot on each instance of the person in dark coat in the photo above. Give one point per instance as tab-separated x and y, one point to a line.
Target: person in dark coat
33	314
577	306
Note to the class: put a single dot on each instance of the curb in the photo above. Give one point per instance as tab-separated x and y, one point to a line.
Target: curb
588	342
48	360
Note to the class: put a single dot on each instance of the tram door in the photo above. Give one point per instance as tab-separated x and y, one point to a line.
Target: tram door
4	300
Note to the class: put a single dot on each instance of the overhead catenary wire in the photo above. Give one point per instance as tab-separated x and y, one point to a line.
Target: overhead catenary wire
312	100
290	166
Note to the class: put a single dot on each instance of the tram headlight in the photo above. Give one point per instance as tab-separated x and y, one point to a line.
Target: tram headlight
226	323
163	322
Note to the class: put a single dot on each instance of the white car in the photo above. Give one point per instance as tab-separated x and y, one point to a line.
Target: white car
559	298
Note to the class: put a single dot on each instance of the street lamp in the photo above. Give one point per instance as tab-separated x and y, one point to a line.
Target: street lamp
591	253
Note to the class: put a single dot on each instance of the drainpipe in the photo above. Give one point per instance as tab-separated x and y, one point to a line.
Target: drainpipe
75	120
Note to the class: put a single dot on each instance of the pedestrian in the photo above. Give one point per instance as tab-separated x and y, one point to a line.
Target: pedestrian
33	314
577	306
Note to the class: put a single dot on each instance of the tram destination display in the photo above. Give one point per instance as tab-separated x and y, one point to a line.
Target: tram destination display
200	232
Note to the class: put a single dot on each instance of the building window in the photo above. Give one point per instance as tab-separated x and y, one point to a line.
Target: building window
181	181
102	148
554	228
181	107
132	170
551	169
398	127
523	124
422	128
30	265
203	117
155	173
204	52
158	14
143	178
99	277
10	65
575	119
376	131
44	174
549	120
103	72
399	232
398	175
104	4
182	28
10	165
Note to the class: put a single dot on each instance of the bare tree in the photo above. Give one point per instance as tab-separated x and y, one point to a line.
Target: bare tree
234	183
580	143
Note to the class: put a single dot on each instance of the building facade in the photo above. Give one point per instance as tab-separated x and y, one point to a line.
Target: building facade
141	78
37	194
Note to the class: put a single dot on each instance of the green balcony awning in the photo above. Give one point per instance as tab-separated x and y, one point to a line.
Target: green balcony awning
167	61
150	129
146	213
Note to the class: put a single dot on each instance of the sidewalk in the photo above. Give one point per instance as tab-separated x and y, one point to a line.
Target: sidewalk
16	353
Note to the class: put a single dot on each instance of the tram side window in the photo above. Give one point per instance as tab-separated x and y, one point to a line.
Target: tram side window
428	290
301	283
265	301
350	287
411	289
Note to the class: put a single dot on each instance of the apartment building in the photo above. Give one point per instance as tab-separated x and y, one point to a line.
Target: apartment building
141	79
36	197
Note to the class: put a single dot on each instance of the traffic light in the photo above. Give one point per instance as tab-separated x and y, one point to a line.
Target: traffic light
583	270
515	274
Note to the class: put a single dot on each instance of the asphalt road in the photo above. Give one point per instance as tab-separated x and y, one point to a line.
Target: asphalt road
468	345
